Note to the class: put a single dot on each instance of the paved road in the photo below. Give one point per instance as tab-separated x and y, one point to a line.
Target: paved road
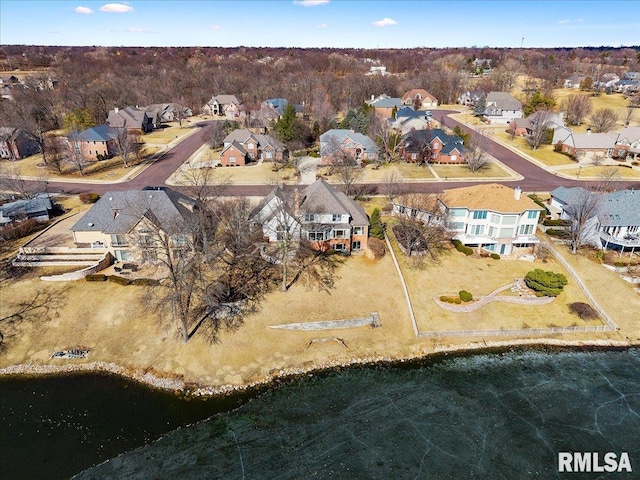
536	179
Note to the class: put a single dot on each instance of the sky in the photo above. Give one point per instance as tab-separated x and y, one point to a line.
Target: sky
321	23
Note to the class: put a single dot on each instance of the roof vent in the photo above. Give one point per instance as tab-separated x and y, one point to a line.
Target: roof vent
90	224
110	198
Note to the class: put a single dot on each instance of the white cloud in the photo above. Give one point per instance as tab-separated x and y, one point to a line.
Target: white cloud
214	27
116	8
384	22
83	10
322	25
564	21
139	30
310	3
579	20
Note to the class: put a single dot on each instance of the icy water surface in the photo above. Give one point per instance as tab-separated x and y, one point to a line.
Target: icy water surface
494	416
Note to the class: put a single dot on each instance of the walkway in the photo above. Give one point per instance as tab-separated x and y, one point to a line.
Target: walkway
372	321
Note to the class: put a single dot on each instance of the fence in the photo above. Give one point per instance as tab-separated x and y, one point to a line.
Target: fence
514	332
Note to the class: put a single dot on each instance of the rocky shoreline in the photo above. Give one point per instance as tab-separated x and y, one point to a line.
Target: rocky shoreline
179	385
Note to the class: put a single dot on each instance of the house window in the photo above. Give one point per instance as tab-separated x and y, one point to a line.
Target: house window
336	217
356	245
532	214
458	212
509	220
414	156
495	218
268	154
232	159
309	217
340	233
506	232
492	231
179	240
454	158
477	229
526	229
341	247
250	146
479	214
435	145
118	240
358	230
456	226
122	255
89	152
316	236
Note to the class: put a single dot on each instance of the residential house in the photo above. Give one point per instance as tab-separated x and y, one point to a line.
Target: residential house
223	106
131	118
279	104
482	65
574	81
128	223
319	213
167	112
631	76
408	119
627	86
588	145
523	127
433	146
628	143
606	81
378	70
15	143
492	217
263	119
502	108
95	143
469	98
419	97
38	208
243	146
384	106
348	143
615	221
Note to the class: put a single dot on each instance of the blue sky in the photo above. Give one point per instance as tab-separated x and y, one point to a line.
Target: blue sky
321	23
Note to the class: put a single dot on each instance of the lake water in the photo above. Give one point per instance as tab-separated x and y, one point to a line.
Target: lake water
491	416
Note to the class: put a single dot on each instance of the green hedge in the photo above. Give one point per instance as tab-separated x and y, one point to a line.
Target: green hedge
495	256
465	296
554	232
545	282
146	282
462	248
555	223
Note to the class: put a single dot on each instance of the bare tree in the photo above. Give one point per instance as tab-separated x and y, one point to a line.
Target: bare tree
75	150
629	113
344	166
126	145
217	134
603	120
56	154
582	208
608	178
420	228
386	137
476	154
391	184
12	182
577	108
538	129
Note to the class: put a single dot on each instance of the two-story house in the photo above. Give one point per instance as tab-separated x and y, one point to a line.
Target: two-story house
128	223
419	97
433	146
348	143
408	119
318	213
628	143
384	105
223	105
502	108
95	142
243	146
15	143
491	217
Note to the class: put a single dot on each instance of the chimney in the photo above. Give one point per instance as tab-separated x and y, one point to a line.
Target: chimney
296	202
372	97
115	109
517	192
589	131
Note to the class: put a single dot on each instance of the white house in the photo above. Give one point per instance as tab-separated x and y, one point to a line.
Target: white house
492	217
502	108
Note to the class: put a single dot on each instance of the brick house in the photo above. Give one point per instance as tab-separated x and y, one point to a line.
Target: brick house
319	213
348	143
384	105
433	146
94	142
126	222
421	97
223	106
243	146
15	144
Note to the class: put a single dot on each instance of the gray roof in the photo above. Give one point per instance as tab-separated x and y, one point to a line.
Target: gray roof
28	208
386	103
413	140
594	140
241	136
631	134
225	100
341	134
129	117
119	212
320	197
620	209
503	101
99	133
568	195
